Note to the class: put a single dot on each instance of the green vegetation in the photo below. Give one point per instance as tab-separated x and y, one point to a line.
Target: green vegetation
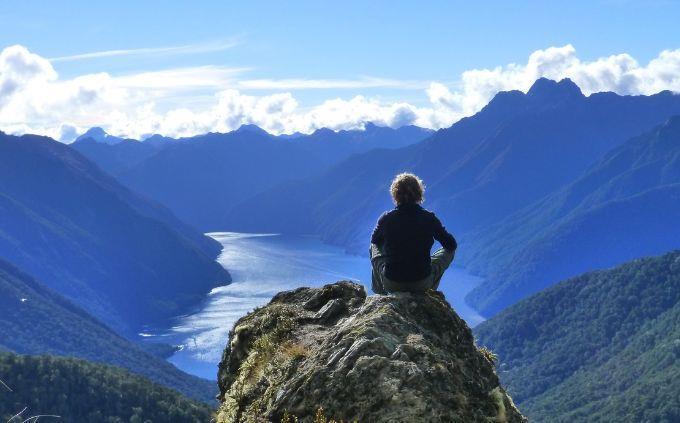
36	320
270	348
319	417
79	391
604	346
489	355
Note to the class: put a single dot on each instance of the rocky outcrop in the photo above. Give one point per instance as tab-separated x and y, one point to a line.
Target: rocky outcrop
334	351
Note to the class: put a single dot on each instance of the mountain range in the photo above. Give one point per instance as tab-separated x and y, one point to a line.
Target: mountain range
512	182
201	178
518	150
537	187
125	259
600	347
118	157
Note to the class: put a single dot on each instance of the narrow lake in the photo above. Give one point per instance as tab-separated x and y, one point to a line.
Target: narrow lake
262	265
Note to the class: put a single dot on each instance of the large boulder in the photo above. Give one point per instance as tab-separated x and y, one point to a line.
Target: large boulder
335	352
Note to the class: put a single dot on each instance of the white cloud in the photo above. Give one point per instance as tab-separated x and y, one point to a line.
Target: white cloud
153	51
188	101
19	68
179	81
619	73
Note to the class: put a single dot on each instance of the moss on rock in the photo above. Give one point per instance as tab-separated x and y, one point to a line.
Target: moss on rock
403	357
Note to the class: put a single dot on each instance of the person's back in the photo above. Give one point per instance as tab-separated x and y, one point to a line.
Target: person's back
402	240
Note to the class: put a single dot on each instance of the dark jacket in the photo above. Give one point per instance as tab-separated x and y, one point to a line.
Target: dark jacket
405	235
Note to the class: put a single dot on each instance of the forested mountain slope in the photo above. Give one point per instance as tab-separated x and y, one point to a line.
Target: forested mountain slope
124	259
36	320
604	346
625	206
79	391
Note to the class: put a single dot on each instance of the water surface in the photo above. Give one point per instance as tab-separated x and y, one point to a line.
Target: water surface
262	265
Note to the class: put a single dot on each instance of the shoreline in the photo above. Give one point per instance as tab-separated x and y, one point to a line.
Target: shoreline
262	265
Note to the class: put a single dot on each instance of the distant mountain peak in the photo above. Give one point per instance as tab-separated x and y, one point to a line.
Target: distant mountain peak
504	100
545	88
370	126
323	131
294	135
158	140
154	137
99	135
96	131
251	128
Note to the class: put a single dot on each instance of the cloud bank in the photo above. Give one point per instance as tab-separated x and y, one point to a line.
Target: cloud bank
33	98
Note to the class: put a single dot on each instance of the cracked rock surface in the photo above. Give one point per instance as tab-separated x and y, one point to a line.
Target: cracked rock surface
384	358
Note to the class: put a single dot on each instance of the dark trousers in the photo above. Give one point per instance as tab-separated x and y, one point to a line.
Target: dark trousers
380	284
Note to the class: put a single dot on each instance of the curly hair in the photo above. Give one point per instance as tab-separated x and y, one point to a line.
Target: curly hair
407	188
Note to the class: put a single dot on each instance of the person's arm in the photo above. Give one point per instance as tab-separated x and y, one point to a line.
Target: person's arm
378	235
443	236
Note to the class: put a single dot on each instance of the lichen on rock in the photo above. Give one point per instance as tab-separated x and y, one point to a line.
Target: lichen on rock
384	358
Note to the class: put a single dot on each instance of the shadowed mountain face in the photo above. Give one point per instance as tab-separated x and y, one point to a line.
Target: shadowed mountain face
518	149
117	158
36	320
625	206
201	178
124	259
600	347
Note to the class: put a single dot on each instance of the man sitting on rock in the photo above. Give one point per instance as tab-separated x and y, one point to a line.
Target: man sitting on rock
402	240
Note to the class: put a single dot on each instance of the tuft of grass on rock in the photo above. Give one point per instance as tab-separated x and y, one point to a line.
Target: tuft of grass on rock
319	417
490	356
294	350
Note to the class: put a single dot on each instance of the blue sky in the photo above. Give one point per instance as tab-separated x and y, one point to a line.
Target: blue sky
386	52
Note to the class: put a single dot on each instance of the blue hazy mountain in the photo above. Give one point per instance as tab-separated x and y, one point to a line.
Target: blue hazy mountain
601	347
251	129
159	140
99	135
118	157
625	206
115	154
201	178
337	145
124	259
36	320
516	150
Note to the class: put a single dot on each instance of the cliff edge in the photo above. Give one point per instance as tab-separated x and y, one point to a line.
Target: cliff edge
333	351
